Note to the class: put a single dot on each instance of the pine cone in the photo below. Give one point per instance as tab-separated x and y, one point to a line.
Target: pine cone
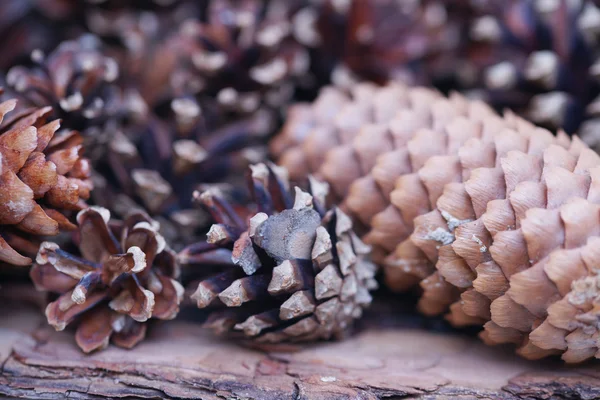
297	271
195	132
513	247
42	176
124	276
362	142
479	179
159	171
416	41
27	25
76	79
535	57
243	54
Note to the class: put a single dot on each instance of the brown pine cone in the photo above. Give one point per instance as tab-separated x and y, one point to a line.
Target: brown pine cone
513	248
77	80
361	142
297	271
416	41
479	176
124	275
42	175
205	125
242	53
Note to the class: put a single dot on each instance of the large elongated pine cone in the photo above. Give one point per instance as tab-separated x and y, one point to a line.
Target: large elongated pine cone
513	248
373	146
42	176
124	275
297	271
492	184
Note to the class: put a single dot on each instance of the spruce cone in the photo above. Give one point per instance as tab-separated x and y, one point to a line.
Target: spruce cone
479	254
297	271
124	276
42	177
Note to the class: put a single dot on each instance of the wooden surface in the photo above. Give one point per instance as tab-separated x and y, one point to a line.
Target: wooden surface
181	360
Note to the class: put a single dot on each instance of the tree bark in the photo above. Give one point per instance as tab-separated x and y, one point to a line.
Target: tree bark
181	360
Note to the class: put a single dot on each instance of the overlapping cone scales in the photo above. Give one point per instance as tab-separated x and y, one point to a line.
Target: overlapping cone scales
387	152
517	264
42	175
244	54
299	273
491	216
502	162
124	276
75	79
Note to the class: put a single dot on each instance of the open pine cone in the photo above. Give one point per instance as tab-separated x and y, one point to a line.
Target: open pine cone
43	176
513	248
204	105
124	276
297	272
243	54
539	58
446	190
77	80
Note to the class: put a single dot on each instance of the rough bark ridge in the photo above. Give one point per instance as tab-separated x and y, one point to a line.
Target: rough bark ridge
382	363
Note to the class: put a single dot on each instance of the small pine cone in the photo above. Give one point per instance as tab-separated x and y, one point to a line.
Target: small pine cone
76	79
124	276
42	177
297	271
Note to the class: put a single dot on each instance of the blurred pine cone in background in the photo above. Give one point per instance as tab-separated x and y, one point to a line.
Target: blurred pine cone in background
125	274
415	41
539	58
27	25
202	98
297	271
43	178
78	81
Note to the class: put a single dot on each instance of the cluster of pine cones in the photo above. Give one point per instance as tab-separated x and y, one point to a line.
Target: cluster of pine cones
274	162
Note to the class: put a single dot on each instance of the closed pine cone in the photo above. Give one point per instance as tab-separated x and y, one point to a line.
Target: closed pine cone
124	275
513	249
43	177
362	142
488	207
297	271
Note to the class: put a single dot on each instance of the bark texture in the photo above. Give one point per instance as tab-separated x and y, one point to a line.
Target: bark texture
181	360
